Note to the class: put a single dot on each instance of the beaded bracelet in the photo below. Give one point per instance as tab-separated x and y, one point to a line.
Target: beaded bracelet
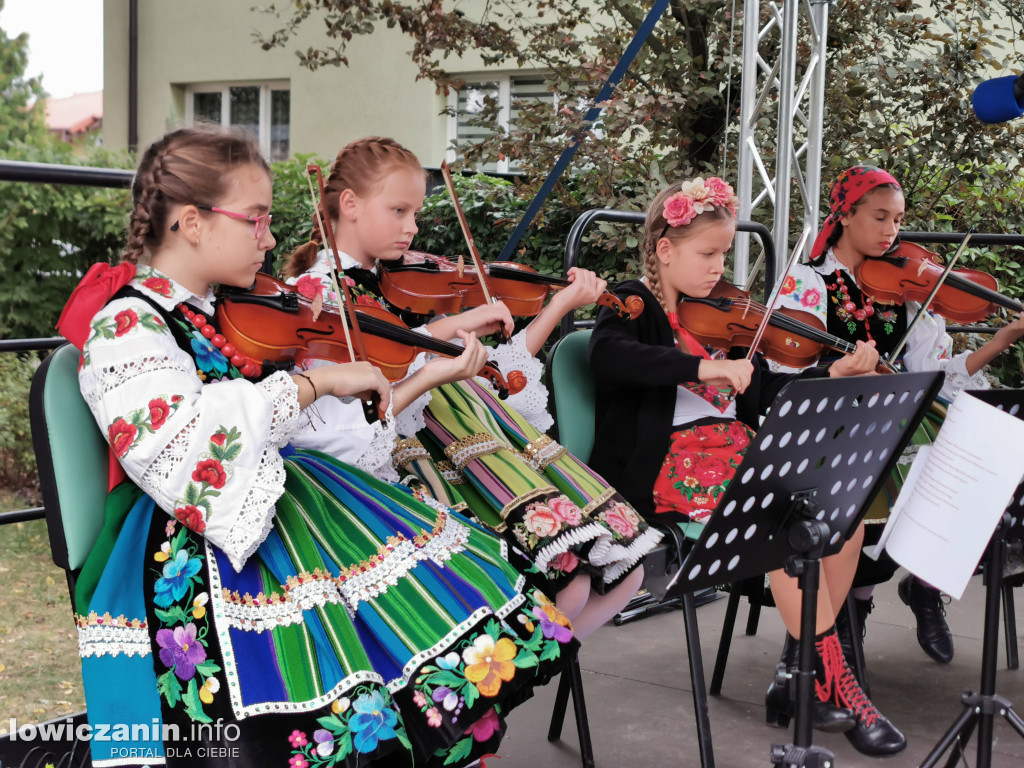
315	395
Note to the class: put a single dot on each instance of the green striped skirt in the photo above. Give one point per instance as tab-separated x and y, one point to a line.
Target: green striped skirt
478	454
370	628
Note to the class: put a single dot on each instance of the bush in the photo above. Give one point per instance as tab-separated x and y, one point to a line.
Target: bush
17	460
49	236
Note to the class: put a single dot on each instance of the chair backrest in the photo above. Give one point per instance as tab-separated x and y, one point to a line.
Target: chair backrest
71	456
572	393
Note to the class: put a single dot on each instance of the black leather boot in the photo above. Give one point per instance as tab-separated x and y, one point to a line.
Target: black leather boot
780	701
864	607
873	734
933	633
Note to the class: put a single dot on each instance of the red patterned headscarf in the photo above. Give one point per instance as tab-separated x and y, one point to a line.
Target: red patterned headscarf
851	186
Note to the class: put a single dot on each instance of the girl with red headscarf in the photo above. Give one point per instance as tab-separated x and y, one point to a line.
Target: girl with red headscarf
866	211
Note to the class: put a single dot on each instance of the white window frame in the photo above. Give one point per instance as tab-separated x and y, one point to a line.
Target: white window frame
224	89
504	81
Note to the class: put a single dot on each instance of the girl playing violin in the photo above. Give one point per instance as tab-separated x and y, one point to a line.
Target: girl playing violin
472	450
866	211
673	422
317	615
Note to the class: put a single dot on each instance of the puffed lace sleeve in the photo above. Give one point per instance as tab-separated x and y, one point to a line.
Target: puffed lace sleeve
208	454
804	289
532	402
930	348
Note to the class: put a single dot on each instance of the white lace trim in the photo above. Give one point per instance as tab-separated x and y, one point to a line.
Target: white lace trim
620	560
375	459
255	518
590	532
413	417
958	379
532	402
283	392
107	640
262	613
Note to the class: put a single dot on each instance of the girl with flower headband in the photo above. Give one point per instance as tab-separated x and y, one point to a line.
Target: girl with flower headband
317	615
673	421
866	210
476	453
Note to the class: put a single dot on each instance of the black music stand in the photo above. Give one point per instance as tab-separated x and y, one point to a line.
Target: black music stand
806	481
982	708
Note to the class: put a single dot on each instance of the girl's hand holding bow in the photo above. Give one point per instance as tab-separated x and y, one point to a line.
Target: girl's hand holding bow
344	380
726	373
863	360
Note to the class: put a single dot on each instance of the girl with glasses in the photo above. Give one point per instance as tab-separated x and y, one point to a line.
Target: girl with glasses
246	602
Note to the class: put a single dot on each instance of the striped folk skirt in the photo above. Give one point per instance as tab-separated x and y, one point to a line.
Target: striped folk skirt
370	628
480	455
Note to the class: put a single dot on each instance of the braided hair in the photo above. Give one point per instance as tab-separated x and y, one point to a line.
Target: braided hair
657	227
360	166
186	166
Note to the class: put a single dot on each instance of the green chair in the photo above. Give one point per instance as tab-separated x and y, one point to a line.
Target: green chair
572	391
71	458
71	455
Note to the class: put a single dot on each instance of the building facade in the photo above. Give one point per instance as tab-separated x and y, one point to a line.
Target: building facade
200	59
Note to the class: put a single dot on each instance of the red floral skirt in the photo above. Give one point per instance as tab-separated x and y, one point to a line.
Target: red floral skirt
701	461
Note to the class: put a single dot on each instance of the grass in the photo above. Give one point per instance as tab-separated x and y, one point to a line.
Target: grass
40	670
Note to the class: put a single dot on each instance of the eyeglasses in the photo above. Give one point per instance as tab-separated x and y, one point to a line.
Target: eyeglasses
260	223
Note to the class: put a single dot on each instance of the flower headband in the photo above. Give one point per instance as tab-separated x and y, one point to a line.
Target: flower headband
694	198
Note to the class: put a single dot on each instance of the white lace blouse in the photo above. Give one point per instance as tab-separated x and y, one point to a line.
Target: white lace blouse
206	452
929	347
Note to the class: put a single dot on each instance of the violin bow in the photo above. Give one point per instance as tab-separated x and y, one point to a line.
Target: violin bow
468	236
938	284
347	312
773	300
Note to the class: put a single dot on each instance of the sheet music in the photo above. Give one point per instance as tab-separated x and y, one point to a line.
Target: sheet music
954	495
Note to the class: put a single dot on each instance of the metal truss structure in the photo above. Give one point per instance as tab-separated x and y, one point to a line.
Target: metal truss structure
792	142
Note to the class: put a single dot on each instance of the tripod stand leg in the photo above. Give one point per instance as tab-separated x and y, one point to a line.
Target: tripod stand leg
963	726
700	694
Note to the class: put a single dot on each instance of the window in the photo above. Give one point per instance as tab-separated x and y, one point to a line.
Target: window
262	109
509	92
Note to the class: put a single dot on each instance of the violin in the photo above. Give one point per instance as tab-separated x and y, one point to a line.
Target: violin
274	323
729	318
427	285
908	272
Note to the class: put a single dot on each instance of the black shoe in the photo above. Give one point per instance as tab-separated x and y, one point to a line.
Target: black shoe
873	734
864	607
780	705
932	631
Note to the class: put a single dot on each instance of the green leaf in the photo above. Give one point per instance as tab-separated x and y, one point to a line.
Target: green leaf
460	751
193	705
169	687
173	615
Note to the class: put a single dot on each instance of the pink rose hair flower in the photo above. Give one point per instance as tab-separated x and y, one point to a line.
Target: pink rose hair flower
697	196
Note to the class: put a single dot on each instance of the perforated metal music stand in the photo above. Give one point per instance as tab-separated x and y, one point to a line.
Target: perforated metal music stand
820	457
981	708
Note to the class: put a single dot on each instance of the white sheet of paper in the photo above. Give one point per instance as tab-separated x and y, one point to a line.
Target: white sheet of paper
955	493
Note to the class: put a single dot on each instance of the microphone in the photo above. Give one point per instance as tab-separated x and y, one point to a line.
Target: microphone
999	100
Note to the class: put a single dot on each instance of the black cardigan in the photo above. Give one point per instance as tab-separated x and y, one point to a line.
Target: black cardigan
637	369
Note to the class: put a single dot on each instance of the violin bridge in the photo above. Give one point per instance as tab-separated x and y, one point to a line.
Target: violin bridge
460	266
318	305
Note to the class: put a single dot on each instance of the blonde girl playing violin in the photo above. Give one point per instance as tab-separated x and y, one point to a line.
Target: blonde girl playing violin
867	208
472	450
673	422
317	615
